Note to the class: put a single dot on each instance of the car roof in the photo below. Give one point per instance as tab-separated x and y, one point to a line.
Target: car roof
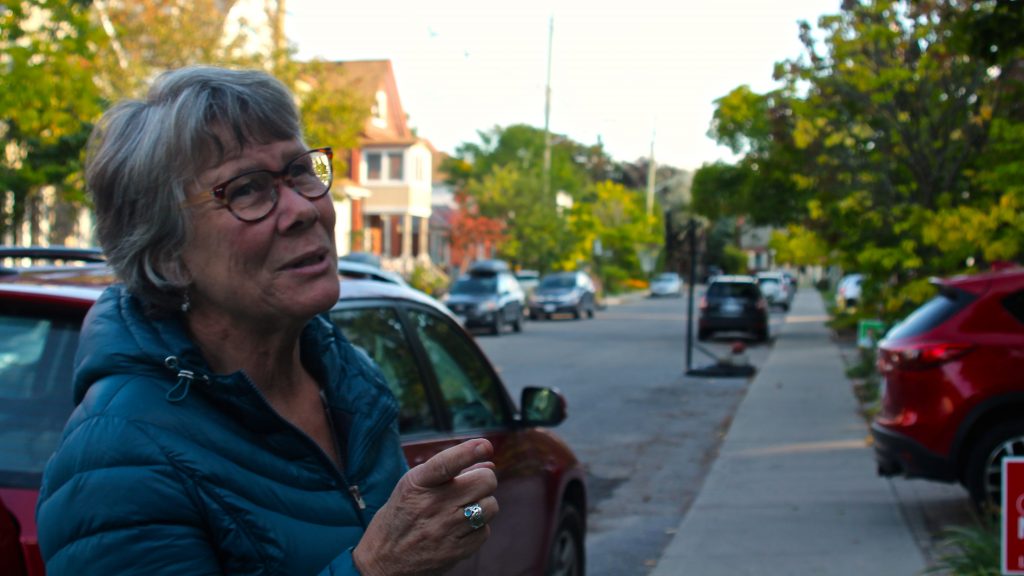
81	286
734	279
491	266
20	259
353	269
368	258
979	282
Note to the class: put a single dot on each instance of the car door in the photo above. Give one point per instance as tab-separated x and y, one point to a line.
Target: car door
449	393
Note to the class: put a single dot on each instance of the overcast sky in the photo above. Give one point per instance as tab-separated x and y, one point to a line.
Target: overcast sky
622	71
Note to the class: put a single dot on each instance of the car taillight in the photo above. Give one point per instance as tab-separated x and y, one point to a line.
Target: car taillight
761	304
703	303
920	356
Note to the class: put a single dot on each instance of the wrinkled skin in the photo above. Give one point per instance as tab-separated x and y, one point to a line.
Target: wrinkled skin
421	529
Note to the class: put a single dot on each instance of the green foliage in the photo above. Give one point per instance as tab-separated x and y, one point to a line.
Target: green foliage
893	147
48	100
734	260
429	279
502	178
799	246
970	551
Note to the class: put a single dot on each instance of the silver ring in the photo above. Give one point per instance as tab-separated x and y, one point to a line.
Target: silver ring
475	514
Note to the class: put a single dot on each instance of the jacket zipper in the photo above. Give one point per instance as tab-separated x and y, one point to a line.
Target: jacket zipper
352	489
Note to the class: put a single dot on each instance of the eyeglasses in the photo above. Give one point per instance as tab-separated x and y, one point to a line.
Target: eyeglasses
252	196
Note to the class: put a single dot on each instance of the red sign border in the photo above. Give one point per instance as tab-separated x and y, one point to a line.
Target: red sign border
1005	528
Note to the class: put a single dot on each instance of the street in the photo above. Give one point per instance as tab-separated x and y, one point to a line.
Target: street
646	434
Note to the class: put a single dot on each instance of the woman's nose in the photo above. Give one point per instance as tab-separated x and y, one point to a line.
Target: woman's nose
296	211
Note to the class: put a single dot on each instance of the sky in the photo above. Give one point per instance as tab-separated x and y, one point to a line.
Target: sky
626	72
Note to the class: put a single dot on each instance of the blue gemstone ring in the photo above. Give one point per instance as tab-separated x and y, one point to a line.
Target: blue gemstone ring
475	514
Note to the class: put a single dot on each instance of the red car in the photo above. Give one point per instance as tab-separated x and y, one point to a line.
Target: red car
953	403
448	392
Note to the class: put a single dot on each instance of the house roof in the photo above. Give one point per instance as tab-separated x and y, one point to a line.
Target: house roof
364	78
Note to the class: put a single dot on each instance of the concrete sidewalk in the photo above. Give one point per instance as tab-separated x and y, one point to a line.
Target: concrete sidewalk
794	489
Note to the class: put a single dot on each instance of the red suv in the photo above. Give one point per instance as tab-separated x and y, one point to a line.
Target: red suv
953	401
447	389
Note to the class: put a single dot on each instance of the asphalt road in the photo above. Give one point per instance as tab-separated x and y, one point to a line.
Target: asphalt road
646	432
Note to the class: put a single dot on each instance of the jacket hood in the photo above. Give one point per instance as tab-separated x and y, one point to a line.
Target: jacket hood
118	337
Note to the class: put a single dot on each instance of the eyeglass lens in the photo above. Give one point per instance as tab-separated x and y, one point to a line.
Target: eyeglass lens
252	196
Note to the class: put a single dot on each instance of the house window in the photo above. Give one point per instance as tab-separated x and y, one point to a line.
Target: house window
395	166
379	112
373	161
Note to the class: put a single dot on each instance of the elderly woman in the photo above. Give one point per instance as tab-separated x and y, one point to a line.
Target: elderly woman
223	425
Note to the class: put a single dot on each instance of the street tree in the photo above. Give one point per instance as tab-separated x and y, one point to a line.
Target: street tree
47	103
880	137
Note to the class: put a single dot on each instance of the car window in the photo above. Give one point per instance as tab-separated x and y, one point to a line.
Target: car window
378	332
1014	304
36	357
470	390
733	290
931	314
558	281
475	285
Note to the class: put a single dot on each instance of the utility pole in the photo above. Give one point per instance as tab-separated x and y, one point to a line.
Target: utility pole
652	173
547	116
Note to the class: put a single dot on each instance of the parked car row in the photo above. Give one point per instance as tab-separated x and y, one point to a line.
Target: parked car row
447	390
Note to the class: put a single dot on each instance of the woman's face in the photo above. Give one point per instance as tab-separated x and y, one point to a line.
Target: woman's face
280	271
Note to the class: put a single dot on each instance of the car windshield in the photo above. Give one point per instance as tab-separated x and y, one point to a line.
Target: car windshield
667	277
476	285
559	281
732	290
35	393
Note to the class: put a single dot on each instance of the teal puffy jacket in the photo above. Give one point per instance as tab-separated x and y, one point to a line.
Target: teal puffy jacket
167	468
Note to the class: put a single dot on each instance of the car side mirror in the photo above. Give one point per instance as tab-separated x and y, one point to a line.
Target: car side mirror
542	406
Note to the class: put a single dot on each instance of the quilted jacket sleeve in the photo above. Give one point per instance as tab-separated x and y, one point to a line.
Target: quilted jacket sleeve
119	511
343	565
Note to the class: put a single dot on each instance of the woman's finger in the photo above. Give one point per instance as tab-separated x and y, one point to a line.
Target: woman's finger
446	465
477	515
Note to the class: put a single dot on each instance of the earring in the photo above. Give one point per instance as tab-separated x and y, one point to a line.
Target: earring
186	304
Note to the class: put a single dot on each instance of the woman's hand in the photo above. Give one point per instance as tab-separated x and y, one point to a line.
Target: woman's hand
423	528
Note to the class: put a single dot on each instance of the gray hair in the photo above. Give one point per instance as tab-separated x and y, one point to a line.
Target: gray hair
144	155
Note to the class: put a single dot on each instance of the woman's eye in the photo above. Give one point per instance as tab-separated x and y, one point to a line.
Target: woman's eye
300	169
243	190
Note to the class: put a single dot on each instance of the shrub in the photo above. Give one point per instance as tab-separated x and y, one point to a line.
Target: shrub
970	551
429	279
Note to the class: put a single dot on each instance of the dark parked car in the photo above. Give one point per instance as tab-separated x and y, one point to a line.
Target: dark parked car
733	304
447	389
488	296
563	293
953	401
